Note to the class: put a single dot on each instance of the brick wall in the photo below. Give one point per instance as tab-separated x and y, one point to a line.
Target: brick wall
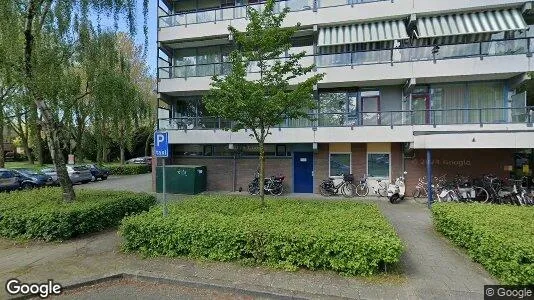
221	170
246	168
359	160
321	161
396	160
471	162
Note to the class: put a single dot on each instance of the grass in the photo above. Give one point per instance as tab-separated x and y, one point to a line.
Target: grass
346	237
500	237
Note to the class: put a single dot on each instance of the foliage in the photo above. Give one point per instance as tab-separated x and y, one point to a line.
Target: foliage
501	238
41	214
132	169
347	237
281	89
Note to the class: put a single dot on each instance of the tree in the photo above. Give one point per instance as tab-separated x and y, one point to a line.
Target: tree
262	103
62	20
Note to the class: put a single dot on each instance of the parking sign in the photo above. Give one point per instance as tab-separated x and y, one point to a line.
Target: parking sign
161	144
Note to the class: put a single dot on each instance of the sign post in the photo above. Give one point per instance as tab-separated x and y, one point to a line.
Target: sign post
161	149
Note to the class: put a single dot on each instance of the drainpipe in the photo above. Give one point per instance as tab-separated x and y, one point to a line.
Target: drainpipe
429	176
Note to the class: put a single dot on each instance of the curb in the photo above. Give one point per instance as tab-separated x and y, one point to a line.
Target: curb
161	280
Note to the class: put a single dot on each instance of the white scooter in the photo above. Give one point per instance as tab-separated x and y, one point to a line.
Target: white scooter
396	191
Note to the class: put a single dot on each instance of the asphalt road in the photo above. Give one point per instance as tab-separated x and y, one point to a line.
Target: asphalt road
134	183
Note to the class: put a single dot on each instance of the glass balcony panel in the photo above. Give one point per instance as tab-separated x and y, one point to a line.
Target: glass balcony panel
371	57
332	60
206	16
227	14
505	47
298	5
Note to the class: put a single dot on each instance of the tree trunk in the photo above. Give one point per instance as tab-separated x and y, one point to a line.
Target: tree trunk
147	146
99	153
27	151
50	125
262	173
122	154
2	150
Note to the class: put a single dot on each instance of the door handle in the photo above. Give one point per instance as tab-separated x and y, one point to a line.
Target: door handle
313	173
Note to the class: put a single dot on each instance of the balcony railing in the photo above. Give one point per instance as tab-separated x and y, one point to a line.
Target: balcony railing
455	116
238	12
390	56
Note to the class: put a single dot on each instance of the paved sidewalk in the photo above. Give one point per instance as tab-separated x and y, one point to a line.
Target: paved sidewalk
432	267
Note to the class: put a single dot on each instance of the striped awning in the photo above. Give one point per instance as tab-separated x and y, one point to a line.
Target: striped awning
362	33
471	23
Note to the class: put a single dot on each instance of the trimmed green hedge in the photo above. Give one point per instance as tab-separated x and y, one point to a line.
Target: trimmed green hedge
351	238
41	214
500	237
131	169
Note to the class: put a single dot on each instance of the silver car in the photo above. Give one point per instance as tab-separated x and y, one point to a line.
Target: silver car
77	174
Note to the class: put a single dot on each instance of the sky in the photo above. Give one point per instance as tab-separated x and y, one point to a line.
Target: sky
107	21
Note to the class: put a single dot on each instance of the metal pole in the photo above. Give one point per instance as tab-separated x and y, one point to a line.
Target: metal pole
164	190
429	176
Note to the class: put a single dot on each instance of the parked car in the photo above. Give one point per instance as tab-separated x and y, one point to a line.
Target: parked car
31	178
98	172
145	160
77	174
52	173
8	180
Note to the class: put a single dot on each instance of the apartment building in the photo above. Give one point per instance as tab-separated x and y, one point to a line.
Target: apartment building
404	79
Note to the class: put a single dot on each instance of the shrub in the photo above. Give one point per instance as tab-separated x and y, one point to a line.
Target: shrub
133	169
42	214
501	237
347	237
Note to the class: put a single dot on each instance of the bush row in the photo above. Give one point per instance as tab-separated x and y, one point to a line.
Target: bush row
347	237
501	237
41	214
132	169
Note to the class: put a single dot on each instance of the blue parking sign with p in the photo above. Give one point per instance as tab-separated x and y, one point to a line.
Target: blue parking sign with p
161	144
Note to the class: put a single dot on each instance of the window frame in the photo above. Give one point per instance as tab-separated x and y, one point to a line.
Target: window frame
367	165
330	161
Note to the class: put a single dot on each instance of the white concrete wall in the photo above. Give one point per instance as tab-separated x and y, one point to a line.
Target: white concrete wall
513	136
422	136
340	14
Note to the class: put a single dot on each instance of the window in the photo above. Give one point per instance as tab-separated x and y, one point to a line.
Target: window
281	150
340	163
253	150
187	150
6	174
378	165
208	150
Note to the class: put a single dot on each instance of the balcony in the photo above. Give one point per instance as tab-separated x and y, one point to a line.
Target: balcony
433	117
439	63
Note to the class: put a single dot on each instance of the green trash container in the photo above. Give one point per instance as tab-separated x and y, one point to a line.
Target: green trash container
182	179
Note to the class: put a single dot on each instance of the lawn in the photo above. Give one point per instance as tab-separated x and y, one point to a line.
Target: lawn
42	214
347	237
500	237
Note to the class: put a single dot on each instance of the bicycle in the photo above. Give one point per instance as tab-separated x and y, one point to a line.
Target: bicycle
421	191
347	188
381	189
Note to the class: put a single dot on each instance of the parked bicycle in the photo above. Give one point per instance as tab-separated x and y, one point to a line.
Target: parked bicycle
380	189
274	185
346	186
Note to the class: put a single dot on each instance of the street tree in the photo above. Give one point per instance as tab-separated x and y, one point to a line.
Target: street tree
63	21
282	88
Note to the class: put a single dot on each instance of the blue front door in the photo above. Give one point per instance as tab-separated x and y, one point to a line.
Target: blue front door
303	172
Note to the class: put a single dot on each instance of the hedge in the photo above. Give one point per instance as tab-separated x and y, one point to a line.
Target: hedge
347	237
41	214
131	169
500	237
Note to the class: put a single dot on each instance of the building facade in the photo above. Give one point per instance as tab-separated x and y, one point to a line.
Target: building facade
403	79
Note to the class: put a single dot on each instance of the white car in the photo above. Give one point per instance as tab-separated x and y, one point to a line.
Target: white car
77	174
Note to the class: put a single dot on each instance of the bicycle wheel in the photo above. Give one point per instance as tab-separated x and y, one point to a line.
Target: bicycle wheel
348	190
382	190
278	190
416	193
323	190
362	190
253	189
481	195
